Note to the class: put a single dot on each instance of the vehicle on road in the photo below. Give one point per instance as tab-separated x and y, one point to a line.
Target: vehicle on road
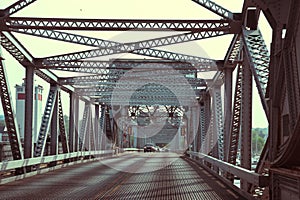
150	147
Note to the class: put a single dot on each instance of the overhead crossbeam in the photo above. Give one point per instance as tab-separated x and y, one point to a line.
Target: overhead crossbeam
137	45
95	42
116	24
14	47
149	101
215	8
103	66
16	7
107	79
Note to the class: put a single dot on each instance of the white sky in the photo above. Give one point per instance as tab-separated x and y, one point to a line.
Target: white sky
215	48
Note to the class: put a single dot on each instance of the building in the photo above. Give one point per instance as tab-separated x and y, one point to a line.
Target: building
37	109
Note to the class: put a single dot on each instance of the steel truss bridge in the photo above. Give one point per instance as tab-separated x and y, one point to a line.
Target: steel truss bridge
215	113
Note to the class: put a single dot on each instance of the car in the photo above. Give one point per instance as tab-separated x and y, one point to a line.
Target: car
150	147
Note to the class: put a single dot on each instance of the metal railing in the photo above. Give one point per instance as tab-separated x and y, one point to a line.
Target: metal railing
210	163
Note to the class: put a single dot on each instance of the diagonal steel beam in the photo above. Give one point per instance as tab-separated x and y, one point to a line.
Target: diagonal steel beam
23	56
234	50
215	8
15	48
115	24
258	57
62	130
45	125
95	42
9	113
17	6
138	45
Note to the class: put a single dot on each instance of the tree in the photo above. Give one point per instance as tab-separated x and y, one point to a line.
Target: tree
258	141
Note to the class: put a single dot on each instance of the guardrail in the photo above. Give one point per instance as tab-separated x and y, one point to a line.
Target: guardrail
244	174
8	165
61	160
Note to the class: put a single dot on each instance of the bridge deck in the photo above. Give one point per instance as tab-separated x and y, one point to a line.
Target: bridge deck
130	176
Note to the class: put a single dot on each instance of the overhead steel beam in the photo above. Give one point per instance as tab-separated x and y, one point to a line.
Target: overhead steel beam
115	24
89	41
137	45
22	55
17	6
138	102
98	80
102	88
101	66
215	8
15	48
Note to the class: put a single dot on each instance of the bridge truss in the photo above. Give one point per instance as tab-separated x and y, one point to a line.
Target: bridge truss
217	111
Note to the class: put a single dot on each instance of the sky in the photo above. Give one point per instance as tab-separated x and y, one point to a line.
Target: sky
215	48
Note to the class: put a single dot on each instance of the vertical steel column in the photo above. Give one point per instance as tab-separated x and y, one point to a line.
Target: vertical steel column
96	127
102	128
217	123
227	109
71	122
202	131
206	137
54	130
76	125
199	129
195	122
28	148
246	125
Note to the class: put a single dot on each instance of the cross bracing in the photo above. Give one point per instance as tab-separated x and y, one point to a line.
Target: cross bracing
154	75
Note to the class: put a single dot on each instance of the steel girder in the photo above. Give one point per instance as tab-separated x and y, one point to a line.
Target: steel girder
83	128
150	101
233	53
19	5
258	56
217	122
116	24
292	85
143	76
145	92
137	45
97	67
212	6
236	119
23	56
101	127
84	40
246	119
45	125
10	43
9	113
63	134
